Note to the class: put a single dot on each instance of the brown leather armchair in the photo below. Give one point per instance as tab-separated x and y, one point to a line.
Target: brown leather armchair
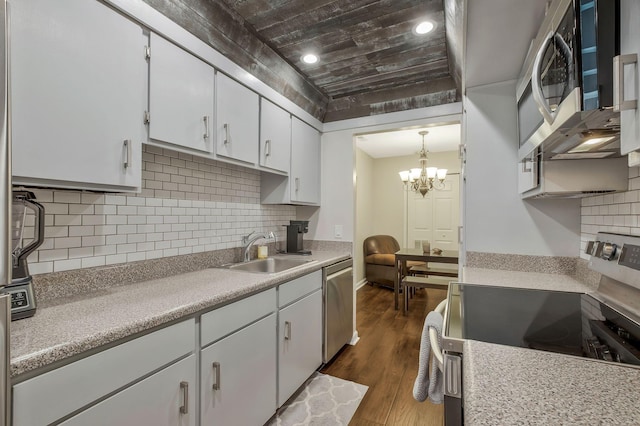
379	259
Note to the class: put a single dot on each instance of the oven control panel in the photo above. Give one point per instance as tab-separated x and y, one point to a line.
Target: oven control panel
630	256
616	256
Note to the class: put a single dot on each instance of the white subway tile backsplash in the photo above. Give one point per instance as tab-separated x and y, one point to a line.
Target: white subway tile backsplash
67	197
80	252
67	242
80	231
93	220
187	205
65	265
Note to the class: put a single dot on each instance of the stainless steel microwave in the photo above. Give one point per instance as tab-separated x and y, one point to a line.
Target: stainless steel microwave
565	93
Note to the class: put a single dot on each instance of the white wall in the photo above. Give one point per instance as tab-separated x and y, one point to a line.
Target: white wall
337	196
496	219
365	208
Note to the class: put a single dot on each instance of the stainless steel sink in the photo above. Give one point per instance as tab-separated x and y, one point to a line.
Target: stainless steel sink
269	266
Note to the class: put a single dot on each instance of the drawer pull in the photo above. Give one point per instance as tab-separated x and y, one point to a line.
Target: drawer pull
216	371
287	330
184	387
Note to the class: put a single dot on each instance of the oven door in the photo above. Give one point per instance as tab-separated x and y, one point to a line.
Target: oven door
452	346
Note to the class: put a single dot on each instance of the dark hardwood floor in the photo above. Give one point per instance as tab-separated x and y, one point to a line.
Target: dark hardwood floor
386	359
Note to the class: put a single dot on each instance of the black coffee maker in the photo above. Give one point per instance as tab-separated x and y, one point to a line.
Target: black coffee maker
295	230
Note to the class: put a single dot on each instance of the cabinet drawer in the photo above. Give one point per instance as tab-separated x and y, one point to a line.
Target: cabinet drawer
224	321
50	396
293	290
156	400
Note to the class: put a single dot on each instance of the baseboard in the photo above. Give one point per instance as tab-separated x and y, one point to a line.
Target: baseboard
360	284
355	338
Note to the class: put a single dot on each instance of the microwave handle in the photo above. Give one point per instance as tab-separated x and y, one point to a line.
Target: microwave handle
536	81
619	102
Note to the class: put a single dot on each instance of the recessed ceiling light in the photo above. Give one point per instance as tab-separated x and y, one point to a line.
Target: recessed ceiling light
309	58
423	27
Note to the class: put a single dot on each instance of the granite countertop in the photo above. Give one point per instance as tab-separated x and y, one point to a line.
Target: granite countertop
62	330
532	280
507	385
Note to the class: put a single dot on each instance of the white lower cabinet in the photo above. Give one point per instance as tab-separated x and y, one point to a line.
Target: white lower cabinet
299	343
166	398
56	394
238	376
253	355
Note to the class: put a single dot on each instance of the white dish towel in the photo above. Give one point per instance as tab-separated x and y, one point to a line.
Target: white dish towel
429	385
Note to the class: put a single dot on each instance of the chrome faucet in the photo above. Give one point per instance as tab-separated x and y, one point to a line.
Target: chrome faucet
248	241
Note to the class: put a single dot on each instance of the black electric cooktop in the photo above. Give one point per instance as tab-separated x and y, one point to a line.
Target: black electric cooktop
569	323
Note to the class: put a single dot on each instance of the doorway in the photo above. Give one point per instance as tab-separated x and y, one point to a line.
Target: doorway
383	201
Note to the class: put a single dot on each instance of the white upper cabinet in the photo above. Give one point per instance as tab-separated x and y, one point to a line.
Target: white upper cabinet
275	137
302	186
181	97
305	163
237	121
78	83
629	44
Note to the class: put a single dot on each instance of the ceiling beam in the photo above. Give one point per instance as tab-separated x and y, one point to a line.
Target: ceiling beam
420	95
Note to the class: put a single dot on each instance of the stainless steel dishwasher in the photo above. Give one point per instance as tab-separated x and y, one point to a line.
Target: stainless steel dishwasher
337	292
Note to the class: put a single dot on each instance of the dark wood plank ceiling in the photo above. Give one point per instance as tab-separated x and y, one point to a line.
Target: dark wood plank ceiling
365	47
370	60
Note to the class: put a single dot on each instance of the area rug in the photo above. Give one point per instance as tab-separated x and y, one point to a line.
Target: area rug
324	400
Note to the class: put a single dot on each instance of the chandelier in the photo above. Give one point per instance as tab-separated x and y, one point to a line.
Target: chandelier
423	178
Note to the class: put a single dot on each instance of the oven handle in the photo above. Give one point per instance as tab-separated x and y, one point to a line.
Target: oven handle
536	81
433	335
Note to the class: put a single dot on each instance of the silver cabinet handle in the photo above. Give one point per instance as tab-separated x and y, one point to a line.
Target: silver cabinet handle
206	127
127	149
184	387
216	371
227	139
297	184
267	146
619	103
287	330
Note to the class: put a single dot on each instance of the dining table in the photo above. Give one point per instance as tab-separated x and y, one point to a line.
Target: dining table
417	254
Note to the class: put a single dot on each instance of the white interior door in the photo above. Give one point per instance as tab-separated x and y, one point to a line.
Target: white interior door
436	216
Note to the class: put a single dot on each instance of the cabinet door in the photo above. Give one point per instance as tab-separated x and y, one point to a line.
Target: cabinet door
299	344
528	173
166	398
275	137
238	383
78	82
305	163
237	117
180	96
630	43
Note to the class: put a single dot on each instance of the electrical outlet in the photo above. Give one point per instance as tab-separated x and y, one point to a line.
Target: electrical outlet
634	159
337	233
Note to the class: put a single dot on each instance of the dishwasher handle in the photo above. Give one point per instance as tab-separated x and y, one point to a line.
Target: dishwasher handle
340	272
